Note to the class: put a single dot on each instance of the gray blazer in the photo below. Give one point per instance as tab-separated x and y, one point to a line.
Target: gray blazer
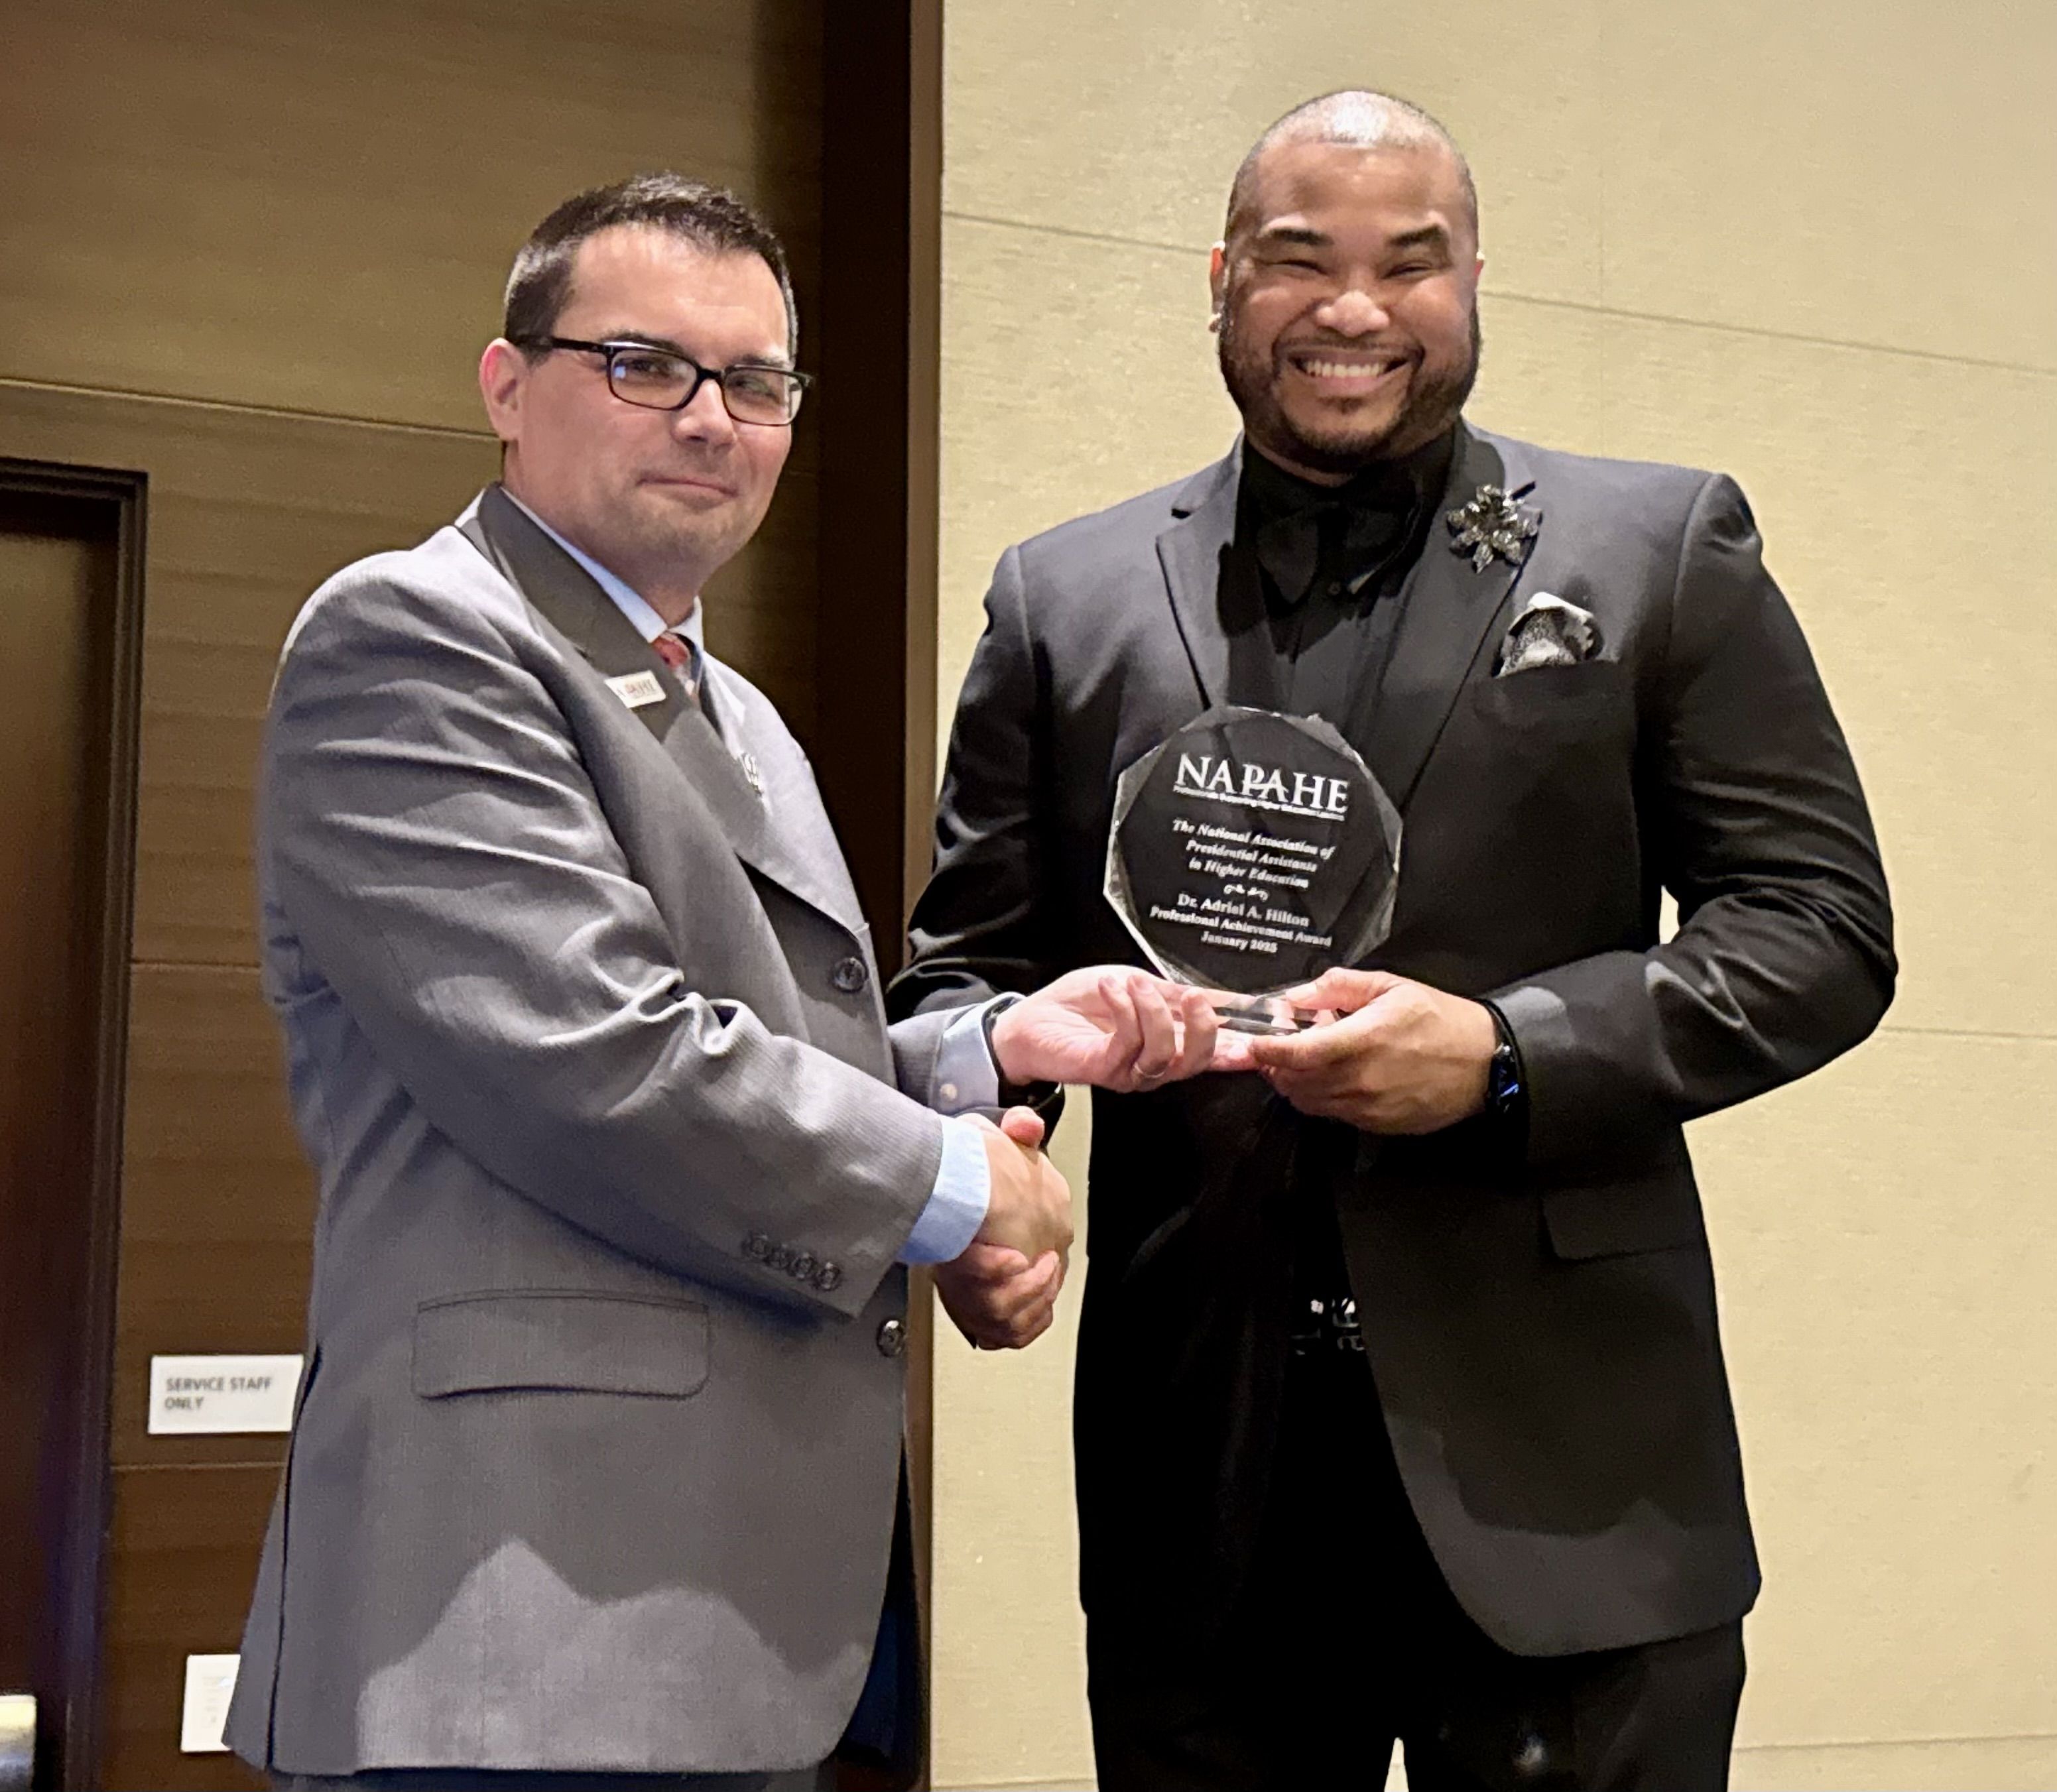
597	1447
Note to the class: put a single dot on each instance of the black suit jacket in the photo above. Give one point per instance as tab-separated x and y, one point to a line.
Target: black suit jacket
1543	1332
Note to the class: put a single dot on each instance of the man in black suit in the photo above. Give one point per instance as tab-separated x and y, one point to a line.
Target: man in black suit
1401	1407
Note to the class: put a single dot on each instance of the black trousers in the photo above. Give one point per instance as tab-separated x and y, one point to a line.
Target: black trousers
1347	1639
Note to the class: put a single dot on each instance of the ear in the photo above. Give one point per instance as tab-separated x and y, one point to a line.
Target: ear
503	373
1217	282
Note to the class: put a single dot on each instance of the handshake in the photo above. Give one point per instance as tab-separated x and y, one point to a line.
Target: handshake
1110	1027
1387	1055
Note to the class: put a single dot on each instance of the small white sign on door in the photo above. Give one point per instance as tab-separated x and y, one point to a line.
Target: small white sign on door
223	1394
210	1684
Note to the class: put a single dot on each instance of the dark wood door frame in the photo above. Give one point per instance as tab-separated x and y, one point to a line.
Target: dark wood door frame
879	332
90	1480
880	357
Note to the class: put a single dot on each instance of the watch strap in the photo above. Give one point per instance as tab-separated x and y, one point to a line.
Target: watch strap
1046	1098
1507	1078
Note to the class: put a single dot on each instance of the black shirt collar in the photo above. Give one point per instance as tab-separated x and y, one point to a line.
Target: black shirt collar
1297	527
1392	486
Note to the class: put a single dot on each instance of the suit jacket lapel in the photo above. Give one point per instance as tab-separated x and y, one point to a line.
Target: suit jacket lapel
586	616
794	843
1193	552
580	610
1447	616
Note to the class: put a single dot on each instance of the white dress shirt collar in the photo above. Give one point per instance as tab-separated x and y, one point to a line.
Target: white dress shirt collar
646	622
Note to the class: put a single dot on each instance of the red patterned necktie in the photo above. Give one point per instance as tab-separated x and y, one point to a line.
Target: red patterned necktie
676	655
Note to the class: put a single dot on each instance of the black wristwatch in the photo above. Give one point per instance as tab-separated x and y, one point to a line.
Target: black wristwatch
1506	1087
1041	1096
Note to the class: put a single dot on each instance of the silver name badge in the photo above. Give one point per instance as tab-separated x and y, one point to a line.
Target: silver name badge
637	689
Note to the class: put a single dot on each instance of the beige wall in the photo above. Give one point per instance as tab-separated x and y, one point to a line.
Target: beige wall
1813	245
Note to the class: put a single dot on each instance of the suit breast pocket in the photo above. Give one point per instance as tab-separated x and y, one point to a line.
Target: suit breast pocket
1593	699
569	1341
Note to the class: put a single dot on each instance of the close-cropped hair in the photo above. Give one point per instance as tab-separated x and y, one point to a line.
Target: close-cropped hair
1358	118
711	218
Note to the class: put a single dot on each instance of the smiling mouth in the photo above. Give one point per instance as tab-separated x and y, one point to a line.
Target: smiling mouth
1345	372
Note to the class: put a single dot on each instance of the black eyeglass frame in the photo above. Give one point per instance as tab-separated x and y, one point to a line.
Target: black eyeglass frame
701	375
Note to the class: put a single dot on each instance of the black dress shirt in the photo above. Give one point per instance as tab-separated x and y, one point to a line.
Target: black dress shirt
1331	561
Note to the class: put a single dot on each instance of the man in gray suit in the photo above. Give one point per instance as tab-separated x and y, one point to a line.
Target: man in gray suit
597	1453
1401	1410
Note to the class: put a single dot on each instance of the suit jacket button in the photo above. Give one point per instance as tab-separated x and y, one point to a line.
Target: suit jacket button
781	1256
849	975
802	1268
829	1278
893	1338
757	1246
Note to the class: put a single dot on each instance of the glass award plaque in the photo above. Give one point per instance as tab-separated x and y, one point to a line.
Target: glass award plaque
1250	853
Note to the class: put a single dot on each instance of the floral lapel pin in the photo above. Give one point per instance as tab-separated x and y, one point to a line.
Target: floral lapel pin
1491	527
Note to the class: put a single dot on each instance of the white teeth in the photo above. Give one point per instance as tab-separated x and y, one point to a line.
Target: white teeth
1347	370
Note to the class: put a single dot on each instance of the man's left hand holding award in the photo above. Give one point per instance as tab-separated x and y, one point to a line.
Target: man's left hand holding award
620	1167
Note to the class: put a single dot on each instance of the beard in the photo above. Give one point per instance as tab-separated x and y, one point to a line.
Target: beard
1435	398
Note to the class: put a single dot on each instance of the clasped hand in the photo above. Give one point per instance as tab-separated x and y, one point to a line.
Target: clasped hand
1108	1026
1002	1292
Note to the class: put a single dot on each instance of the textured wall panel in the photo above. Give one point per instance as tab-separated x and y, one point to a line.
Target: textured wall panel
1991	1764
314	206
1884	1252
218	1202
1158	103
1845	170
178	1584
1010	1639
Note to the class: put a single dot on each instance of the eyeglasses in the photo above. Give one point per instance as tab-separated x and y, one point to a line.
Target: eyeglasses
662	379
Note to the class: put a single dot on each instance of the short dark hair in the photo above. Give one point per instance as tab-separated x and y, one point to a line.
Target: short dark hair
712	218
1358	116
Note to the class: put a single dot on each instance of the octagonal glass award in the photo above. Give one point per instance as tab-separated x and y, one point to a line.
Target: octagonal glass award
1251	851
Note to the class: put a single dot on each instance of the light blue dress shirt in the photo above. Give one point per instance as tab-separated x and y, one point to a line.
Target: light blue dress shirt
965	1075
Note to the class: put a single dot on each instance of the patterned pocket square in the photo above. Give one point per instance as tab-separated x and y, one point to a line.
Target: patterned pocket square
1548	632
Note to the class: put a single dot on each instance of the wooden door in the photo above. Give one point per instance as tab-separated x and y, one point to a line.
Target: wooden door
66	766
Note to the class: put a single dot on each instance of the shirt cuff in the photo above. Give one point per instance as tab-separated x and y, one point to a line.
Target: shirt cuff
958	1203
966	1077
